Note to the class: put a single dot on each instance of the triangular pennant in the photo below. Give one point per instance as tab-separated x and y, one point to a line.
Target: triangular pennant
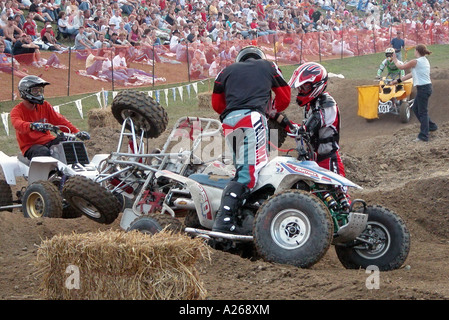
166	96
105	98
188	89
150	93
174	93
56	108
98	94
195	87
79	107
158	96
180	92
114	93
5	122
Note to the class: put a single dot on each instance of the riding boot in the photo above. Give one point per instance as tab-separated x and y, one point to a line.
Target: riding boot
233	197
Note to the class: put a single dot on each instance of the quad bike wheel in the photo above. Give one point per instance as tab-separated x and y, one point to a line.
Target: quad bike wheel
404	111
155	222
147	115
386	242
91	199
293	227
5	195
42	199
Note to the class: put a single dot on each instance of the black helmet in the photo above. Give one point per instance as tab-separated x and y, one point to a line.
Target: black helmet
27	84
250	52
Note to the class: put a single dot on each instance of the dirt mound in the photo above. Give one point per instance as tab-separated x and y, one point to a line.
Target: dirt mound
407	177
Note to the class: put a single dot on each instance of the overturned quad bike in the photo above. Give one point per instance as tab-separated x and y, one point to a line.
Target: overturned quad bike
67	172
292	216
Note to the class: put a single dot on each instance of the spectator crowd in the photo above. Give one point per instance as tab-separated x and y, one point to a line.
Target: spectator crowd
150	29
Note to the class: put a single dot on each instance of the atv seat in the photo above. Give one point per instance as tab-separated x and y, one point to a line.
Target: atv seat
23	159
211	180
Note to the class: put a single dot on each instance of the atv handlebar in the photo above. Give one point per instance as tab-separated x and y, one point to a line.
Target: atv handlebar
57	130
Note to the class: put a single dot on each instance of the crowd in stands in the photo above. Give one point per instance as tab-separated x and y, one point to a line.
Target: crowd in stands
145	26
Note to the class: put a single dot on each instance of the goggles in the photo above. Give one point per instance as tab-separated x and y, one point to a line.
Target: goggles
305	88
37	91
389	55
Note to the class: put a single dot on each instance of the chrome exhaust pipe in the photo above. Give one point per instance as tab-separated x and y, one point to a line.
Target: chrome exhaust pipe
214	234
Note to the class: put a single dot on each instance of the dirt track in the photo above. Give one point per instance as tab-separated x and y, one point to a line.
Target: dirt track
408	177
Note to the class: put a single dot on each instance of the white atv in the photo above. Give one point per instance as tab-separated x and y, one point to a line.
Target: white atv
69	169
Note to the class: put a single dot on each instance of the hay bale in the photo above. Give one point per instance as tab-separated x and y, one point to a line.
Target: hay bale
101	118
205	100
121	265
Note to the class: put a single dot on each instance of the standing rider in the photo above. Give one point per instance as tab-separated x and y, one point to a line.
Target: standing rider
242	97
29	118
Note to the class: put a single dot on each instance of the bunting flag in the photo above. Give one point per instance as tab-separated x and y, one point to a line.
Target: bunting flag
188	90
98	94
105	98
5	122
79	107
102	98
166	96
180	93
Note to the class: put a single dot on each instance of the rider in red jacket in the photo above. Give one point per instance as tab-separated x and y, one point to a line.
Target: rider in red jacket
27	118
242	97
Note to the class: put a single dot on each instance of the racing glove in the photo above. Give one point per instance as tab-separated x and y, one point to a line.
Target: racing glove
38	126
83	135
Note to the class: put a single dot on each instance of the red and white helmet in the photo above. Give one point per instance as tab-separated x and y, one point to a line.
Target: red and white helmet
311	80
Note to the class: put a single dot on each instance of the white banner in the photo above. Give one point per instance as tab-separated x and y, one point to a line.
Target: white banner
195	87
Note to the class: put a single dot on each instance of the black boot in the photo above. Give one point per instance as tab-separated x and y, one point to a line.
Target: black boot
234	194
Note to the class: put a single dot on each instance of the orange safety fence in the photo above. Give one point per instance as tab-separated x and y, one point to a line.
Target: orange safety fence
154	66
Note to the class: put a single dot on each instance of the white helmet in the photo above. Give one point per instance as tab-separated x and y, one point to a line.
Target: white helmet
250	52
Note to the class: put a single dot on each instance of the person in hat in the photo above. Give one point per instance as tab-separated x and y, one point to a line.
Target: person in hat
28	117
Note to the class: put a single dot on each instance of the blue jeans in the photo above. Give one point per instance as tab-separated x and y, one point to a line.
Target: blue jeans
420	109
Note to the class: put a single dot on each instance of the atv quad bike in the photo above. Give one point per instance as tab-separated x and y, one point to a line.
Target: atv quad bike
386	98
293	215
68	168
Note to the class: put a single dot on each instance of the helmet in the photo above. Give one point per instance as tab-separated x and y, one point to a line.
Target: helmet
389	52
31	89
250	52
311	80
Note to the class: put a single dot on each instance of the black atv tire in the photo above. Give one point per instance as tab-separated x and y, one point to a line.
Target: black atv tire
293	227
155	222
146	114
69	212
404	111
390	253
281	133
42	199
5	195
91	199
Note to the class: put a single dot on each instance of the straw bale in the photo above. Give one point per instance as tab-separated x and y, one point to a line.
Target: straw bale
101	118
205	100
112	265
